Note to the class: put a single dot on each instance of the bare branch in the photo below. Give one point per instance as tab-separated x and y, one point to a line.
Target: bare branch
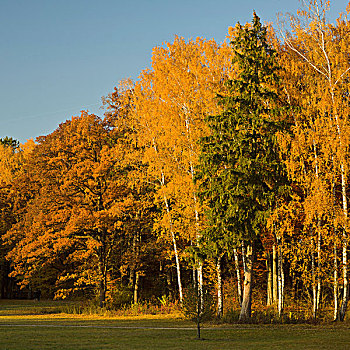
334	85
289	44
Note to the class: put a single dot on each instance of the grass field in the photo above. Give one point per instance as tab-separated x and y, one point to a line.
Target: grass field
41	325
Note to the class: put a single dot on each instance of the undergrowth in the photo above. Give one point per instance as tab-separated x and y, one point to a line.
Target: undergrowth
161	306
142	308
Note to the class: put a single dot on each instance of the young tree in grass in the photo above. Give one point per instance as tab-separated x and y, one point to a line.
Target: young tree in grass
240	169
197	305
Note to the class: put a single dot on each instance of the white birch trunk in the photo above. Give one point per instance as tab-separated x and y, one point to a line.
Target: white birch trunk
318	293
344	304
220	310
192	171
243	257
269	291
238	274
335	282
280	281
136	287
177	260
335	255
274	275
313	277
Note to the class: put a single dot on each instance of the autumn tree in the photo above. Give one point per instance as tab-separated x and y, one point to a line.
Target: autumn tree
141	251
73	220
171	101
316	62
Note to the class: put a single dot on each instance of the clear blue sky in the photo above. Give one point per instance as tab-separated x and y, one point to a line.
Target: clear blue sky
58	57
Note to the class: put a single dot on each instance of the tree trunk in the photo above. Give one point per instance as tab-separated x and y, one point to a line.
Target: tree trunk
131	277
169	284
198	328
317	283
313	277
200	283
344	304
269	280
178	270
335	253
102	269
274	275
243	256
335	282
220	310
238	273
247	291
194	277
195	202
102	293
280	281
345	299
136	287
134	259
318	275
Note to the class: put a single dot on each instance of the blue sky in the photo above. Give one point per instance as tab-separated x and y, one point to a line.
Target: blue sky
58	57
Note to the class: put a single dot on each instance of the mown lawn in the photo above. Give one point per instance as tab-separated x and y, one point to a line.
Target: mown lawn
21	328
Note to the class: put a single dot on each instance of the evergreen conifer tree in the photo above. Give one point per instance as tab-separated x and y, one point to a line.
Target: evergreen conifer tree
240	170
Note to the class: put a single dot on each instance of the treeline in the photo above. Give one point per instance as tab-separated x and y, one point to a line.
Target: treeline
223	165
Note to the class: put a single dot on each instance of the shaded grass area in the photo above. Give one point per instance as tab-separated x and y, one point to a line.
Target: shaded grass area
29	337
21	327
32	307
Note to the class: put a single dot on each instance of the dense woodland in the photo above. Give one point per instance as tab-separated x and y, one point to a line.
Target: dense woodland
223	166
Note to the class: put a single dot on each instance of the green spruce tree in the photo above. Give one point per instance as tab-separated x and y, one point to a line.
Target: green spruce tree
240	171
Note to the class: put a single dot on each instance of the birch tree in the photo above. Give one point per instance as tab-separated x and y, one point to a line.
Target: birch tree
322	49
171	101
